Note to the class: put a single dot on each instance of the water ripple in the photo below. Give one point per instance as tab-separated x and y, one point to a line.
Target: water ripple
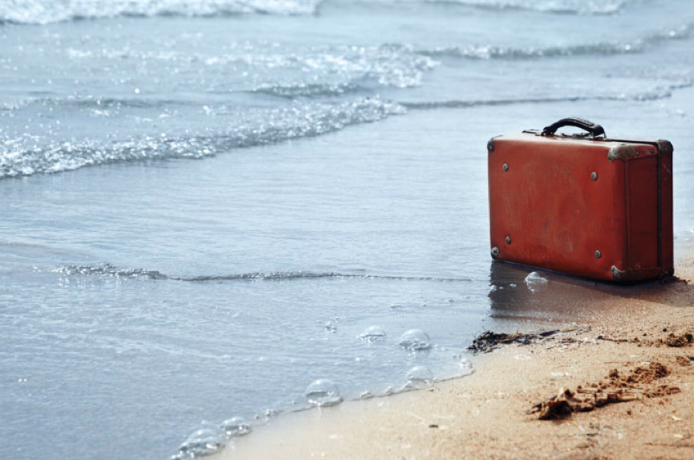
109	270
638	45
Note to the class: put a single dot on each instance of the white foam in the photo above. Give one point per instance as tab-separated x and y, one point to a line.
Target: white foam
50	11
30	155
579	7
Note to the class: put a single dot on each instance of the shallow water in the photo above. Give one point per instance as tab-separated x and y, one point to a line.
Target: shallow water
340	184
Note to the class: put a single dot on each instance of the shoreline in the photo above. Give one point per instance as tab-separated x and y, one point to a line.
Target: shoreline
488	414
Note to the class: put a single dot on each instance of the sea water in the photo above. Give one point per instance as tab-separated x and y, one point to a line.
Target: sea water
209	206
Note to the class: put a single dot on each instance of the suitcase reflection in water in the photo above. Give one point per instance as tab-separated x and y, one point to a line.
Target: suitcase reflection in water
585	204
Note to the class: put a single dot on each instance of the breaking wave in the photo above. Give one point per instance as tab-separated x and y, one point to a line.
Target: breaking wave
323	70
50	11
30	155
487	52
654	95
109	270
292	91
578	7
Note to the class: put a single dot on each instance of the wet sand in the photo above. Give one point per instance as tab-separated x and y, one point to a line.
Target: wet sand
489	415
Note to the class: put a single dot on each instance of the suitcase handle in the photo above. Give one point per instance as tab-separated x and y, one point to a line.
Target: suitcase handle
592	128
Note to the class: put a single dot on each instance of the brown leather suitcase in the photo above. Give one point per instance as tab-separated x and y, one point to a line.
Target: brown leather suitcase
582	204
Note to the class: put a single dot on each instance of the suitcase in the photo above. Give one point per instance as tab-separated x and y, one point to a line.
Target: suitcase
582	204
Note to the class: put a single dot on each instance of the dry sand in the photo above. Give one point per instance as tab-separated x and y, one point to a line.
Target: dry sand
488	414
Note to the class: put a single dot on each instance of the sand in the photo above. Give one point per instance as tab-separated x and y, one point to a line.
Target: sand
620	361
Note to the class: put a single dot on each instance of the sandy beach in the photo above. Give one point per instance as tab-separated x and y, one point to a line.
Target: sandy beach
224	212
637	348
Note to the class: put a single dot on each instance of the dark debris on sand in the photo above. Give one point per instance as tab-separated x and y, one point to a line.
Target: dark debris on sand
489	341
675	340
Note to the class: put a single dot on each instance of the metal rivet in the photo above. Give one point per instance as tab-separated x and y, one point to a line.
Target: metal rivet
505	167
598	254
495	252
594	175
490	145
508	240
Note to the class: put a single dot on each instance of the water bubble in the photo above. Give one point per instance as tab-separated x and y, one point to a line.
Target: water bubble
206	441
331	327
236	426
493	288
513	285
373	334
366	395
415	339
535	281
464	363
270	413
420	375
323	393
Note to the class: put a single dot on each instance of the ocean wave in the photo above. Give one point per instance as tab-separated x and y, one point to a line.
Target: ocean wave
323	70
108	270
30	154
308	89
577	7
658	93
340	69
354	67
487	52
461	104
89	102
49	11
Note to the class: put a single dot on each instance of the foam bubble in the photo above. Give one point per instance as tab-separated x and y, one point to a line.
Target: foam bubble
373	334
330	326
535	282
464	363
415	339
205	441
419	375
235	426
323	393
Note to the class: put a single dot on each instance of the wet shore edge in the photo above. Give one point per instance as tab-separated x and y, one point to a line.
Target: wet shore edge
618	386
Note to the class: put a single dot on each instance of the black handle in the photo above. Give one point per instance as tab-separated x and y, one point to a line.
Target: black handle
592	128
